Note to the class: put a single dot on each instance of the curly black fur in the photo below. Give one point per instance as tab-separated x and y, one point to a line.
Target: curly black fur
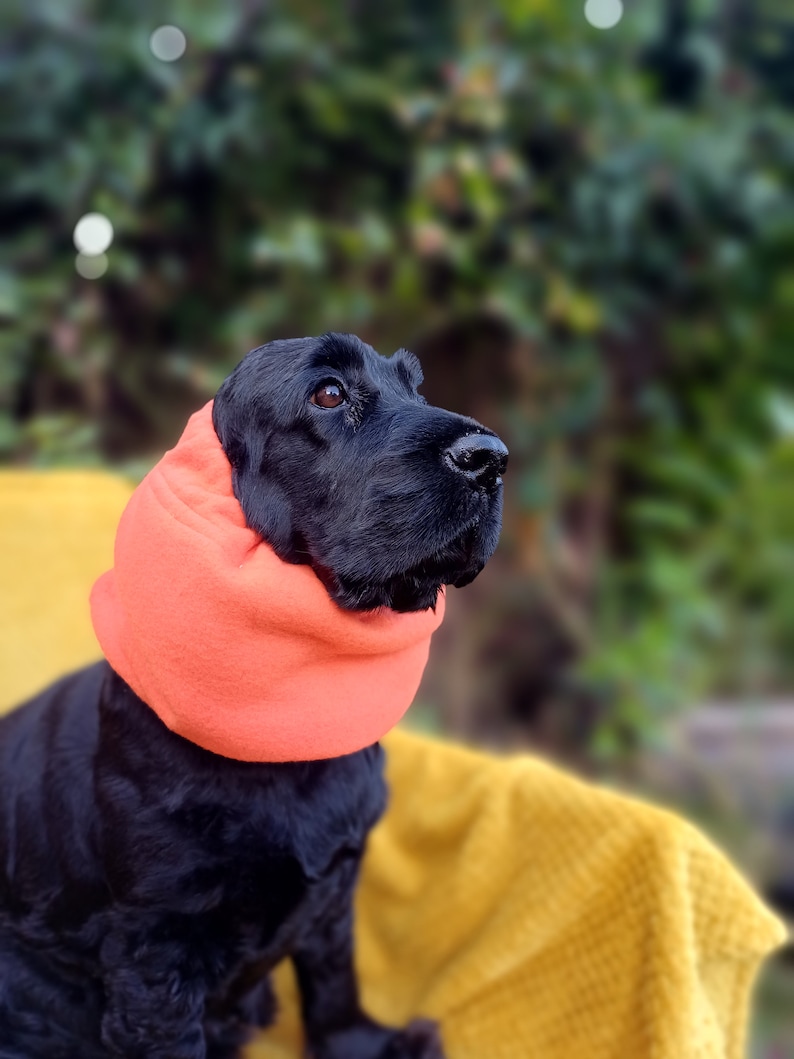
148	886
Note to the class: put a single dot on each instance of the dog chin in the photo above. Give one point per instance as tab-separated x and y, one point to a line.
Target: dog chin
399	595
411	595
413	591
457	562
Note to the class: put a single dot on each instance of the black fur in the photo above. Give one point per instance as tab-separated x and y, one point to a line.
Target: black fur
148	886
366	492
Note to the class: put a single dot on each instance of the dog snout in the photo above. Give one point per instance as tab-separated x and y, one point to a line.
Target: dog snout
480	458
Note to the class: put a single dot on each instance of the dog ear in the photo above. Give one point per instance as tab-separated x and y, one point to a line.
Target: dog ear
262	499
266	509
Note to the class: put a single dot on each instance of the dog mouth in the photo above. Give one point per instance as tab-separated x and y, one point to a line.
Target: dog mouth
417	588
452	563
456	562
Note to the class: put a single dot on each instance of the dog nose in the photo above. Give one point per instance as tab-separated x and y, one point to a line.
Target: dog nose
481	458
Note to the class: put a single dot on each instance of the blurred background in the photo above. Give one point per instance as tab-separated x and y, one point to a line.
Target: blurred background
579	216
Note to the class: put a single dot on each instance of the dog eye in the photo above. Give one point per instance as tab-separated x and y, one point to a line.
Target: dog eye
331	395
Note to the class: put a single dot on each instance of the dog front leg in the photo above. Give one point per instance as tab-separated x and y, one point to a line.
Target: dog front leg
152	1009
336	1026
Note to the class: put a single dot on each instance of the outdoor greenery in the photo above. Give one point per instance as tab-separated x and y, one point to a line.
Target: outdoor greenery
586	235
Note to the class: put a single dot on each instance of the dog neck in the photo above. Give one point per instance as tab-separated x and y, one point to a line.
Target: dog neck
234	649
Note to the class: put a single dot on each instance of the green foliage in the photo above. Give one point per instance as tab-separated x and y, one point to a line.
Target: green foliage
405	169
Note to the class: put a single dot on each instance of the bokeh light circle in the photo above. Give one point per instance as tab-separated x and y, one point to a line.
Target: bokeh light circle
603	14
93	234
91	266
168	43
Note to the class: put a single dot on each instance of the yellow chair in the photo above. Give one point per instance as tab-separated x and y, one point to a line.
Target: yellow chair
536	916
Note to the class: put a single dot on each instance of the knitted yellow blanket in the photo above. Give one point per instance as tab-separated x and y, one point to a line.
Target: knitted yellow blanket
539	917
534	915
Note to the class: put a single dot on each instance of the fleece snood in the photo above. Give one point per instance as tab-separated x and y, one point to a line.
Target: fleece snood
234	649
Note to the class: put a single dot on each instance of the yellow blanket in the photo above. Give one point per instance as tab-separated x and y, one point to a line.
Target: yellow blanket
536	916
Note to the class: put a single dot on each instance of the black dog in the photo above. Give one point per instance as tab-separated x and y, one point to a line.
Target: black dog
148	886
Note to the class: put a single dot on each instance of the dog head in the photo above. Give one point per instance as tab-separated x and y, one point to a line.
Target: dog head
339	463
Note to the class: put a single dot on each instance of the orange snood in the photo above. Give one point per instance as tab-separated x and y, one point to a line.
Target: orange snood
234	649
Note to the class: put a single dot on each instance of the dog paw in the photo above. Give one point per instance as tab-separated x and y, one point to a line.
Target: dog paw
420	1039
